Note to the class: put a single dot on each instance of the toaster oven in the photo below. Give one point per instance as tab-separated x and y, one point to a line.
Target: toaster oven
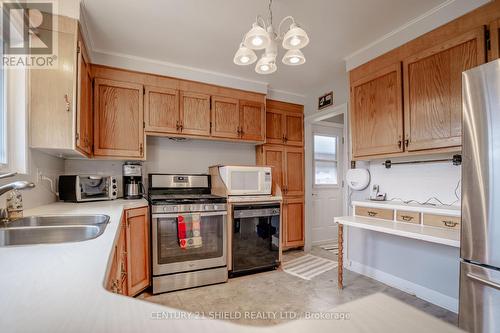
77	188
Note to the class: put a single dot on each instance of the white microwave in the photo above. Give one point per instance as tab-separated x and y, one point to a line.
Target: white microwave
246	180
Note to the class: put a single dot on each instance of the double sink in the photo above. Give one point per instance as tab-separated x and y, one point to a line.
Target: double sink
52	229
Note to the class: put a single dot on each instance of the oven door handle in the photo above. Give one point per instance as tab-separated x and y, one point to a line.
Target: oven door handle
159	216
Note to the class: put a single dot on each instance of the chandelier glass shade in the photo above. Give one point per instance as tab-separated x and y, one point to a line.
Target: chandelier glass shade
262	36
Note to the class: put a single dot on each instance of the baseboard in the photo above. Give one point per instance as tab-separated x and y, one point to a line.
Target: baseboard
409	287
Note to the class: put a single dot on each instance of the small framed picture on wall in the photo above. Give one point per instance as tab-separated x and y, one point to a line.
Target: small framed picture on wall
325	100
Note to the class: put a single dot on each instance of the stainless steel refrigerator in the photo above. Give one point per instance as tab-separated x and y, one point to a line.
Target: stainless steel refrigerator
479	309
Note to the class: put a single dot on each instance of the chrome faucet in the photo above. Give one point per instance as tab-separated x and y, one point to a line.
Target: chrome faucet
18	185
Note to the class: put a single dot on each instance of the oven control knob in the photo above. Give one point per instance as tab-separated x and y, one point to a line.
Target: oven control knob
175	208
207	207
193	207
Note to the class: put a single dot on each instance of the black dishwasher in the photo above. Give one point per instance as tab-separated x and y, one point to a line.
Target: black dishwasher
255	238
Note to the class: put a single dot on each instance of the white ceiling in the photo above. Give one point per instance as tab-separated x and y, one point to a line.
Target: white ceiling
205	34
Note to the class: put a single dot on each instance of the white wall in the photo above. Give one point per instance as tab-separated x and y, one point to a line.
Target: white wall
42	194
167	156
431	271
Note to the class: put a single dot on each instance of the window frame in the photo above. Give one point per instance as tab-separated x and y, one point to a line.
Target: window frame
314	160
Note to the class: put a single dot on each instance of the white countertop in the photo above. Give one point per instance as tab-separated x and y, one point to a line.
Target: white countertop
60	288
412	207
253	198
409	230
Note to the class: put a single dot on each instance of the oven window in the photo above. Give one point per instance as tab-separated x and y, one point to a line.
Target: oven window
169	250
245	180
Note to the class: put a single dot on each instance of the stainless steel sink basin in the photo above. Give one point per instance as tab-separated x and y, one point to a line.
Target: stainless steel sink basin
58	220
52	229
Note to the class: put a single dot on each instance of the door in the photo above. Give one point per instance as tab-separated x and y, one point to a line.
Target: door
294	171
252	121
479	299
481	166
377	113
274	156
433	91
137	245
327	182
118	119
294	129
293	222
195	113
84	116
275	126
169	257
161	110
225	117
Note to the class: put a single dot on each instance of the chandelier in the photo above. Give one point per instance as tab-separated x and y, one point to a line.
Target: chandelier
262	36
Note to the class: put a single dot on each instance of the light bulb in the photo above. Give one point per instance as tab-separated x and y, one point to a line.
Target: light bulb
294	41
257	41
244	59
294	60
264	68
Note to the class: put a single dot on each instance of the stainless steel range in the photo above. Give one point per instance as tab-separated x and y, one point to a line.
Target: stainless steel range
174	197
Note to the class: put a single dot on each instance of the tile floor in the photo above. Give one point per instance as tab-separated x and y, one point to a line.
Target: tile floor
277	291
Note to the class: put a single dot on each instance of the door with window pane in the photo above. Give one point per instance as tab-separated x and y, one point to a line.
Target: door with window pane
327	182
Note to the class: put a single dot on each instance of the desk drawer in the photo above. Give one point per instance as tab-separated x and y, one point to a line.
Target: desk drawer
442	221
379	213
408	217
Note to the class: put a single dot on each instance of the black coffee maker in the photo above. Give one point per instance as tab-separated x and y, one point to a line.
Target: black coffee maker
132	180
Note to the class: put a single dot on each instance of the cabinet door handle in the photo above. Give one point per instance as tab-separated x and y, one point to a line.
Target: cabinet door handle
407	218
283	138
400	144
450	224
181	125
372	213
177	126
407	142
140	149
68	105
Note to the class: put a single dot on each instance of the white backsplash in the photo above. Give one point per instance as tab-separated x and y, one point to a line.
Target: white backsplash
167	156
48	166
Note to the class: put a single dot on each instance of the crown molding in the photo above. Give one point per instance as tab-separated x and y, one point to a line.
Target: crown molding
432	19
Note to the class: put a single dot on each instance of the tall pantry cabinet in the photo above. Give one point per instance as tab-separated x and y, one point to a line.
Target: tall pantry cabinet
284	152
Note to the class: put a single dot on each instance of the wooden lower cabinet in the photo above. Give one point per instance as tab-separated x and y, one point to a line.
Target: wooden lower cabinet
130	266
293	222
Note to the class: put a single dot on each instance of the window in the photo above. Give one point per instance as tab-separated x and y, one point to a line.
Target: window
325	160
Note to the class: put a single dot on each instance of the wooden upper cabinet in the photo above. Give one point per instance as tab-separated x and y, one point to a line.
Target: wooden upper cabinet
225	117
273	156
293	222
51	98
377	113
161	110
84	116
195	113
275	126
433	91
118	119
137	244
294	171
284	123
294	133
252	119
494	47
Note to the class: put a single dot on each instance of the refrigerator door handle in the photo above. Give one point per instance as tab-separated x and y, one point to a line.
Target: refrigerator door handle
483	281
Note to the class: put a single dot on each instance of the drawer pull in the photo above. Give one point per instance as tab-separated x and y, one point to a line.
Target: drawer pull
450	224
372	213
407	218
